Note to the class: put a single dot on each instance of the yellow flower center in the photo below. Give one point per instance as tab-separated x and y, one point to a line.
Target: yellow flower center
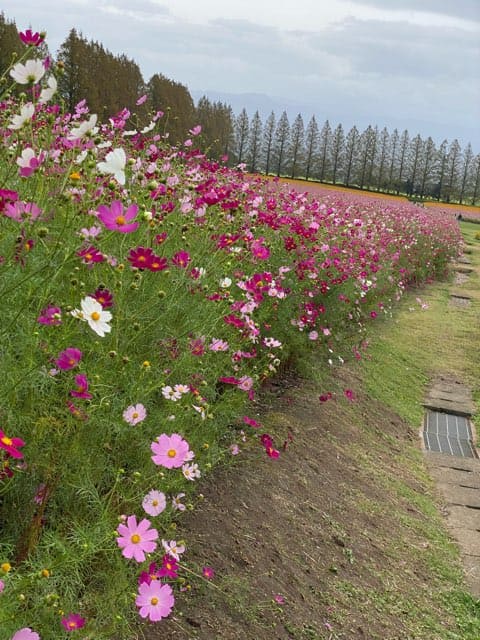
95	316
6	440
171	453
72	625
88	256
154	601
155	503
75	175
135	539
120	220
134	415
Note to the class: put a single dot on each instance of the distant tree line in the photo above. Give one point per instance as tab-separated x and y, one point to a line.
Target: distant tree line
373	159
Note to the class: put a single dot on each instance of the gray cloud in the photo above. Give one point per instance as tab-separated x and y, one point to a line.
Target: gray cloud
355	71
463	9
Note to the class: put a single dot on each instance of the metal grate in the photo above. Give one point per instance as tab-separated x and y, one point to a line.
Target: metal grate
448	433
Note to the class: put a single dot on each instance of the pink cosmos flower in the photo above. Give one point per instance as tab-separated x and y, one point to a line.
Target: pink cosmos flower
91	233
141	100
116	219
11	445
155	600
21	211
73	621
191	471
245	383
349	394
173	549
26	634
2	585
31	39
82	387
135	414
218	345
50	315
154	503
279	599
136	539
234	449
260	251
170	451
28	162
176	504
69	358
208	573
195	131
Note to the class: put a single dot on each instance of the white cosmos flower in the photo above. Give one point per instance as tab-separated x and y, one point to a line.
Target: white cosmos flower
26	114
30	72
81	157
96	317
47	93
148	128
115	162
225	283
83	128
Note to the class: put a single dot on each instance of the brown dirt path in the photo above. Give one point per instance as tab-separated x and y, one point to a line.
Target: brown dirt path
335	526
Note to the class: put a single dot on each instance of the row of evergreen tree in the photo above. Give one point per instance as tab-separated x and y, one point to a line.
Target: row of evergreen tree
375	159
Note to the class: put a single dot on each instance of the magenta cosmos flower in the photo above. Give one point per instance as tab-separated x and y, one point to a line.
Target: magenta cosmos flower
31	39
116	219
170	451
26	634
69	358
181	259
11	445
82	387
155	600
50	315
136	539
73	621
208	573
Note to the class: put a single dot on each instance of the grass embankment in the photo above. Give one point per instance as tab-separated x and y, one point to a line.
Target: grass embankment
346	526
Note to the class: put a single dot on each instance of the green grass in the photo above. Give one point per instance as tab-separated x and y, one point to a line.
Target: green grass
406	353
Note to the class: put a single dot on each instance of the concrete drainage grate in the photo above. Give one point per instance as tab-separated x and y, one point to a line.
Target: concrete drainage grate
448	433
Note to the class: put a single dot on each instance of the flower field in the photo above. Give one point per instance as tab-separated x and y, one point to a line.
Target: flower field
147	292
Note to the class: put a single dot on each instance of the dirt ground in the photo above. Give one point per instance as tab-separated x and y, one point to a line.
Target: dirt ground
332	526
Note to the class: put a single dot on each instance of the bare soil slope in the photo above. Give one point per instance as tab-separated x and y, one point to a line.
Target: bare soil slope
343	526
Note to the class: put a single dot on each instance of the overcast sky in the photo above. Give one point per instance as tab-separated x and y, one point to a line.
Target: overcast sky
410	64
